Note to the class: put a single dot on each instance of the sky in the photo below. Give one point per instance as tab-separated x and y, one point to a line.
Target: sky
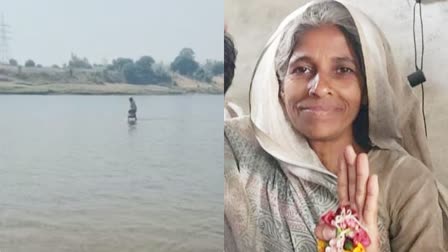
48	31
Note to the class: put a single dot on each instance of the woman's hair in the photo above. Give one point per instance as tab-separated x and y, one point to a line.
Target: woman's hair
230	54
316	15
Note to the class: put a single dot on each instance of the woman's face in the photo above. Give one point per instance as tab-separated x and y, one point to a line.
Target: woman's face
321	92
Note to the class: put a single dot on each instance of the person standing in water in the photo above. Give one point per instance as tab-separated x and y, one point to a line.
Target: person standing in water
132	113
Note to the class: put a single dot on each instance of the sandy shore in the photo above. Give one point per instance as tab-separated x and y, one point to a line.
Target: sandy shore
102	89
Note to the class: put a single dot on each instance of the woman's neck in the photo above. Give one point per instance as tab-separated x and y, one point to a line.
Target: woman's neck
330	151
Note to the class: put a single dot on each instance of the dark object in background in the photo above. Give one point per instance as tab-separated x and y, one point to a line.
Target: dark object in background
416	78
229	61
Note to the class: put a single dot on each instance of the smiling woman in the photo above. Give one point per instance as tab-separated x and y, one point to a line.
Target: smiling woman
331	124
321	90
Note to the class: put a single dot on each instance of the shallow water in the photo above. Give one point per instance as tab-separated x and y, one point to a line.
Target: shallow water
76	177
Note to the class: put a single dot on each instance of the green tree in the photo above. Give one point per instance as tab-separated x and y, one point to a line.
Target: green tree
187	53
145	71
130	73
13	62
161	73
203	75
77	62
30	63
217	68
145	62
185	63
118	64
140	72
208	70
137	74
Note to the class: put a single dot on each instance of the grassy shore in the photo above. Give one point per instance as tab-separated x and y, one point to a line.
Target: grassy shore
45	81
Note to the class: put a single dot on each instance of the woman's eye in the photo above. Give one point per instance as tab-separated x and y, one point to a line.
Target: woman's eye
344	70
303	70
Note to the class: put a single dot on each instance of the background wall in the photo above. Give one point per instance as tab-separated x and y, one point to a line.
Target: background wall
251	23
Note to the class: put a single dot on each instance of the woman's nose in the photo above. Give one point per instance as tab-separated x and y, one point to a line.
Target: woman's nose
319	86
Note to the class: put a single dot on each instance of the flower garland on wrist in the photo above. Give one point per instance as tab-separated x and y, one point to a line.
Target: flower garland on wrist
351	236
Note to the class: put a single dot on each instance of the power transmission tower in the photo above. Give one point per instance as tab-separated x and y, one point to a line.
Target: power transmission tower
4	40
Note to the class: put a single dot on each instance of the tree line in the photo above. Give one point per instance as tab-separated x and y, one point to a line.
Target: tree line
144	70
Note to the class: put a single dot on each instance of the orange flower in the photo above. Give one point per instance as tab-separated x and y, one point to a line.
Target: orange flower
359	248
321	245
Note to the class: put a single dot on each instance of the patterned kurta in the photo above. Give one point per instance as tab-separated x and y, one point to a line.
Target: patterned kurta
269	210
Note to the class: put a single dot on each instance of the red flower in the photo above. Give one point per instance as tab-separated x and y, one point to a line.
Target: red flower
362	237
328	217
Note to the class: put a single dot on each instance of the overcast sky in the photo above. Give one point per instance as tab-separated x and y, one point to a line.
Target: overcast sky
48	31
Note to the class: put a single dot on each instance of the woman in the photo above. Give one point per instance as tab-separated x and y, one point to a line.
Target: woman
132	113
328	110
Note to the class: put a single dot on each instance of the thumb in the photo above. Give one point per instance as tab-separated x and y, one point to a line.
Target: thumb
325	232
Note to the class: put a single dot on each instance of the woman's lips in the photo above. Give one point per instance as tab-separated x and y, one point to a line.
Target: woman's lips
316	108
320	110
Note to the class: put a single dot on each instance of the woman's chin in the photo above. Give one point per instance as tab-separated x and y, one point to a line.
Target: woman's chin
320	134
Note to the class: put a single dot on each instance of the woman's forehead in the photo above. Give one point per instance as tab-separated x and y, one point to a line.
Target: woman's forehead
327	40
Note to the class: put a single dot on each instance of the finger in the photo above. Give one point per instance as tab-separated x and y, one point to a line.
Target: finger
362	174
350	159
342	182
325	232
371	205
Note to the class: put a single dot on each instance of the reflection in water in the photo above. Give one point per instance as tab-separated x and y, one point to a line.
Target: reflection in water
132	126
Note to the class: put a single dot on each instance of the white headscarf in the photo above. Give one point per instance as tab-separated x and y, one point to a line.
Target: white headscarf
395	118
